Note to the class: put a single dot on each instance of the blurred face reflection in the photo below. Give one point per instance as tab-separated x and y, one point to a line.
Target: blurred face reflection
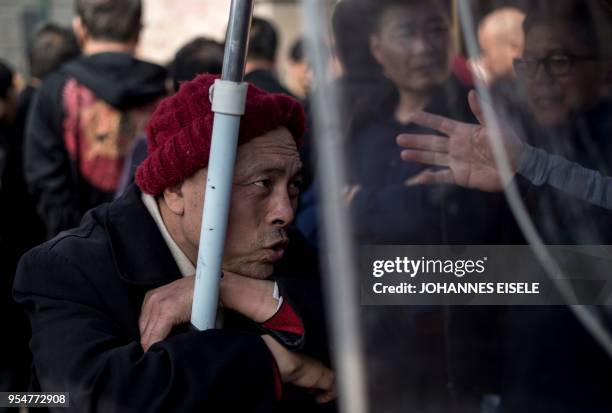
413	45
560	71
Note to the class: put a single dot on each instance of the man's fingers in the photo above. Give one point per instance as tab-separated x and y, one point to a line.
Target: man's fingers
327	396
145	313
315	375
435	122
147	328
327	383
429	177
423	142
156	331
425	157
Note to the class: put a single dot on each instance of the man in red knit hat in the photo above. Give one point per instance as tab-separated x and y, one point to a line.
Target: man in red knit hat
109	300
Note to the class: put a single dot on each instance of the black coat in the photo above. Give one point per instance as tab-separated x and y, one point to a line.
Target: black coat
60	175
83	292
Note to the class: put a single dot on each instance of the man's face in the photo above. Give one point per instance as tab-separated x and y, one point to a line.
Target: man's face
264	199
552	97
413	45
498	56
302	76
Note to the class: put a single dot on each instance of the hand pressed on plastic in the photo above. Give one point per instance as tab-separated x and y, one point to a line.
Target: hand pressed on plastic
466	151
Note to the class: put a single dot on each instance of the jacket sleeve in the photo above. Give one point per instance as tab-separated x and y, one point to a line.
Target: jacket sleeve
47	167
79	348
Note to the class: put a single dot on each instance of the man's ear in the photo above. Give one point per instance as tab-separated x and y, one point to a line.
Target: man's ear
80	31
174	199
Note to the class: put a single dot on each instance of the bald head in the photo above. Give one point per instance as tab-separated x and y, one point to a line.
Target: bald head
501	39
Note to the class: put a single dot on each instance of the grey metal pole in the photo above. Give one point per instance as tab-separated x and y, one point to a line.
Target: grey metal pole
340	279
228	101
237	39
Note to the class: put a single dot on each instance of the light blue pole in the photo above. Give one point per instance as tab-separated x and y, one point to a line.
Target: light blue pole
228	100
214	221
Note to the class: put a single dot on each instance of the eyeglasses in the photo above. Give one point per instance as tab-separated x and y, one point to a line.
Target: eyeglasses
555	65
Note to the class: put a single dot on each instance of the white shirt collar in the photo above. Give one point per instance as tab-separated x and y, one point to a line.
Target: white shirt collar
185	266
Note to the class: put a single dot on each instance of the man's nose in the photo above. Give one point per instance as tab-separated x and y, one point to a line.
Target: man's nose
281	211
542	73
420	44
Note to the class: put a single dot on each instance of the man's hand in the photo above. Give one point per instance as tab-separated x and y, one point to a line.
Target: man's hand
164	308
170	305
466	151
303	371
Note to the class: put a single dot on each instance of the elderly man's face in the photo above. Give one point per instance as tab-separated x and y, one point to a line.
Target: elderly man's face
264	198
553	94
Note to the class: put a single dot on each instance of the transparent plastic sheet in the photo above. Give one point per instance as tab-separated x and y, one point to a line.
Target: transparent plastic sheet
453	358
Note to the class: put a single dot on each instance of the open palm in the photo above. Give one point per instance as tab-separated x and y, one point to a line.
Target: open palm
465	151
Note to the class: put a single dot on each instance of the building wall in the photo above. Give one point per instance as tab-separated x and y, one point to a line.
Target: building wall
17	20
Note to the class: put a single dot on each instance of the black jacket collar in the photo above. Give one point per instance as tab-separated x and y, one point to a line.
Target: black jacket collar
141	255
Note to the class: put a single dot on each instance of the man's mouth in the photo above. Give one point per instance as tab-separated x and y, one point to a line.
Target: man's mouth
275	251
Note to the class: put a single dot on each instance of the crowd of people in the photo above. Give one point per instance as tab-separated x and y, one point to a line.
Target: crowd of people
103	164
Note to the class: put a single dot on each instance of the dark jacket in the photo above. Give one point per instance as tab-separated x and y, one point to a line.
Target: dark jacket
83	292
387	212
80	127
18	233
266	80
552	362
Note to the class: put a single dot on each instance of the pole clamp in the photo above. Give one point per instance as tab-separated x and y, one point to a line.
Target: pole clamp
228	97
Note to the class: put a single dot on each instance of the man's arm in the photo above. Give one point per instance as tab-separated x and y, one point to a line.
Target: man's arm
46	162
542	168
170	305
79	348
467	152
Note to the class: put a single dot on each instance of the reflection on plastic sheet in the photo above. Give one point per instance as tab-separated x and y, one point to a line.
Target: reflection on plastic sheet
431	163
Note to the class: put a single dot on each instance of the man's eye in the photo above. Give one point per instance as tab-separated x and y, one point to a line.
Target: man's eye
262	183
297	183
295	187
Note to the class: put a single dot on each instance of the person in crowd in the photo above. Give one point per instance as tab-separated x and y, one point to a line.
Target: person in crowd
260	68
500	36
198	56
113	334
15	359
299	74
51	46
359	79
551	361
456	363
413	44
21	227
564	142
86	115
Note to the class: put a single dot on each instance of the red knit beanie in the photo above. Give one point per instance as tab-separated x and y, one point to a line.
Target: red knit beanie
180	130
